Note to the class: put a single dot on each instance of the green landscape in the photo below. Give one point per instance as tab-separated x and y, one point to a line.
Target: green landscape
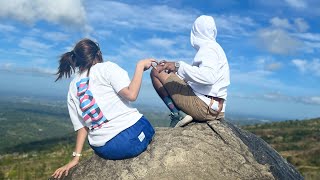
37	137
297	141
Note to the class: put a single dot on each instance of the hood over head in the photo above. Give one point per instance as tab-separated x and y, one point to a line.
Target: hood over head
203	32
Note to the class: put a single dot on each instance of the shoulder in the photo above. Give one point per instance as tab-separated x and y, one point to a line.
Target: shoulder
208	52
72	86
108	65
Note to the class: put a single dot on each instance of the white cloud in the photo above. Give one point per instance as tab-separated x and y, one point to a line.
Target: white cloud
312	46
277	96
33	45
273	66
301	24
68	13
300	4
311	100
278	41
314	100
315	66
308	36
259	78
159	48
102	34
268	64
41	70
281	23
300	64
283	37
305	66
311	41
161	18
7	66
11	67
264	80
154	17
56	36
233	25
7	28
114	14
161	42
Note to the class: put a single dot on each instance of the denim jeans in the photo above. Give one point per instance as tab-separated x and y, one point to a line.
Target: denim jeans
129	143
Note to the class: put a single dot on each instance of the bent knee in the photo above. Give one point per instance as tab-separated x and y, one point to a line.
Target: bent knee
154	73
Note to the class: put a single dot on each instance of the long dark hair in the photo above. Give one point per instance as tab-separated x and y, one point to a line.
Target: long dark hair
84	55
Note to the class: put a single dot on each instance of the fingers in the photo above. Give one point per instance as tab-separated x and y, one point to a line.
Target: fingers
150	62
154	65
59	172
162	62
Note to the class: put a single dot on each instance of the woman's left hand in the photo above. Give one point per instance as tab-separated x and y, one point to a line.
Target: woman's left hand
59	172
146	63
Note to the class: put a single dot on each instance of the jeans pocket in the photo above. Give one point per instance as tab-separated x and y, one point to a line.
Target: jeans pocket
138	144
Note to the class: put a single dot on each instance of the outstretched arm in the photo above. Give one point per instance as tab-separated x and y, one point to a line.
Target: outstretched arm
132	91
81	137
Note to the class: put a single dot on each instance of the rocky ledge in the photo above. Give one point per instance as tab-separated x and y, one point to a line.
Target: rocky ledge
213	150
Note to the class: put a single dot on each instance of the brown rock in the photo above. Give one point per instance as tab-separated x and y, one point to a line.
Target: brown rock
214	150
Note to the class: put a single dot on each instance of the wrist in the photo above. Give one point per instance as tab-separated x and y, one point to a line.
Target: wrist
75	154
176	65
76	159
140	66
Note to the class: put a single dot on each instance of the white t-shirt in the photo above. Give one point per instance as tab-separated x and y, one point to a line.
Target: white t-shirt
105	81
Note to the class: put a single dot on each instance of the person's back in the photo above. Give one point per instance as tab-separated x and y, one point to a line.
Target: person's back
99	105
105	80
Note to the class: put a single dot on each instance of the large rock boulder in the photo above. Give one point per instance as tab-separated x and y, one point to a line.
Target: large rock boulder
213	150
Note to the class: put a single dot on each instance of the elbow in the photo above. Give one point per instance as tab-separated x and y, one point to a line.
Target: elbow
132	97
128	95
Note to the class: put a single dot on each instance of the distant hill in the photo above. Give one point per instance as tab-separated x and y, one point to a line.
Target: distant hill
39	134
296	140
26	122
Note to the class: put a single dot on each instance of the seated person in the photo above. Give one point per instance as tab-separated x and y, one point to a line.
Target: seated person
99	105
196	91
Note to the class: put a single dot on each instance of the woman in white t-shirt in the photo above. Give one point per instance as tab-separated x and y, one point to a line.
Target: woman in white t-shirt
99	105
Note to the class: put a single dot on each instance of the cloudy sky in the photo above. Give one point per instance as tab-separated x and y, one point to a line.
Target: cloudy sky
272	46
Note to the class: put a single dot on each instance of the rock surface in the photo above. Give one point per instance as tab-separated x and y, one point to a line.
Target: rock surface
213	150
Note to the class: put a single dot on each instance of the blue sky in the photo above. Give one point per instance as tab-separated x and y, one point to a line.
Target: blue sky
272	46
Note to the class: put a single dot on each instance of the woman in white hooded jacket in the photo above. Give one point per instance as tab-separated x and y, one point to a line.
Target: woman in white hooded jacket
197	91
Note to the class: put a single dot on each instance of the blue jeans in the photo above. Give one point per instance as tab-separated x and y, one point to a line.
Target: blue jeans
129	143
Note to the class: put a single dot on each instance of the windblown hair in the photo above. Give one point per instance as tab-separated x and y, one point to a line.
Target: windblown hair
84	55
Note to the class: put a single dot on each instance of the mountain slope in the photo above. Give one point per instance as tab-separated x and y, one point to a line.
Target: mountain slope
297	141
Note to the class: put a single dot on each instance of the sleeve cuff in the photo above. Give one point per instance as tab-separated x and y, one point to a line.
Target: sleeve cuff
181	69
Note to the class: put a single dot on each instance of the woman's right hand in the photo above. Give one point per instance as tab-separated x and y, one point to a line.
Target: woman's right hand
146	63
65	169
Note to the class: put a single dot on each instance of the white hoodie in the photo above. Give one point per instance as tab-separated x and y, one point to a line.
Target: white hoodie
209	72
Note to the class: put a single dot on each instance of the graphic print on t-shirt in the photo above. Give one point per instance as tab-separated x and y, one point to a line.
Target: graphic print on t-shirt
91	112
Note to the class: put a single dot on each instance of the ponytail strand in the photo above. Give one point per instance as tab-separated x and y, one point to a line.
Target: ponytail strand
66	65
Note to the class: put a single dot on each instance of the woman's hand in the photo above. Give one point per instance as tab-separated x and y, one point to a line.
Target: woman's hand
59	172
146	63
166	66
